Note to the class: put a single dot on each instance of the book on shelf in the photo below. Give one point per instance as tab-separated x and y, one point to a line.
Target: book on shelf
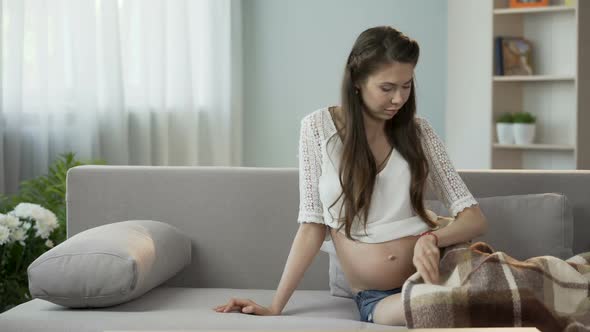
512	56
498	63
528	3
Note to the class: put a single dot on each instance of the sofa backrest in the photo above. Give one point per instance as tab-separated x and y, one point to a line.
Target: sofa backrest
242	220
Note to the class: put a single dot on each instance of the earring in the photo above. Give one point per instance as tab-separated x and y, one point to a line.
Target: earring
356	91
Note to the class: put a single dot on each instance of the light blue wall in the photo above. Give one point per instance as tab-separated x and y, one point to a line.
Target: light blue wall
294	54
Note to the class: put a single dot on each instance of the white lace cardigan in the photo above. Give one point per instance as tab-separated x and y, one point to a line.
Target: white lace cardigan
390	215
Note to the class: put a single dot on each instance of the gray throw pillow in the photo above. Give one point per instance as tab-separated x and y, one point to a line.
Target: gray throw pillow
338	284
527	226
523	226
110	264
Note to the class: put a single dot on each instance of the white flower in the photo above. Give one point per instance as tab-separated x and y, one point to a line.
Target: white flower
9	221
18	235
49	244
45	220
4	234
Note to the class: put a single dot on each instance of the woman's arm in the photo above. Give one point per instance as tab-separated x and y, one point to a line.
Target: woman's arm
312	230
452	191
307	243
468	224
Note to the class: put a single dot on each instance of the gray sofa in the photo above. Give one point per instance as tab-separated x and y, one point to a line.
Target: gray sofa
242	222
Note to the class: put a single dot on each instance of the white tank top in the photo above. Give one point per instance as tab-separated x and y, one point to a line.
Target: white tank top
390	215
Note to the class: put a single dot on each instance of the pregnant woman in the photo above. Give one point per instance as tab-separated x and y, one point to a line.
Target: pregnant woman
363	168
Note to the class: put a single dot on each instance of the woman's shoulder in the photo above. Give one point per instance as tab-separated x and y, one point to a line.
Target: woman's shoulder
423	125
318	122
315	116
421	121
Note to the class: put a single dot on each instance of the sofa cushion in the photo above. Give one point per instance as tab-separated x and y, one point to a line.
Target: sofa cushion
109	264
523	226
526	226
177	308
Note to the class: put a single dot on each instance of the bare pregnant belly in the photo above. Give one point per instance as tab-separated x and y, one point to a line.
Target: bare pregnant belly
368	265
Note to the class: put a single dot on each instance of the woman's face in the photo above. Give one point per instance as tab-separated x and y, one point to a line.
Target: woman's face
387	90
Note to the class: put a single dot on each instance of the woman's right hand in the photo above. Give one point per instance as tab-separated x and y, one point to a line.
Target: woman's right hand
246	306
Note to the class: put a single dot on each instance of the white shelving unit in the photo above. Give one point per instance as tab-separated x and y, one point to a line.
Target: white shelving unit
534	78
513	11
558	93
555	147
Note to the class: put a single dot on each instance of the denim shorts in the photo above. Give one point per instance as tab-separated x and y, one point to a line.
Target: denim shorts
367	300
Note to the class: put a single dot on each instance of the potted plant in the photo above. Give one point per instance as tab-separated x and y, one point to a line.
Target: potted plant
25	233
504	129
524	128
31	222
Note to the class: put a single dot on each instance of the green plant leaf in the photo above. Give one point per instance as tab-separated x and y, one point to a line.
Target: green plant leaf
524	117
506	118
49	191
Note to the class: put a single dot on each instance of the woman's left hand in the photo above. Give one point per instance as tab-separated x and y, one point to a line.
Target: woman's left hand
427	258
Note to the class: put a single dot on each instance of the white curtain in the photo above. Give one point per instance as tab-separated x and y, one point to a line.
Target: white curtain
132	82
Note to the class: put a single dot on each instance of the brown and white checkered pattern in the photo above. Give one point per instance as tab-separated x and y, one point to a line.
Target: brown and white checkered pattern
482	288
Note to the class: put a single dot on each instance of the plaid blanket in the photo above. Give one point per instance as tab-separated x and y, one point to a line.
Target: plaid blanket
482	288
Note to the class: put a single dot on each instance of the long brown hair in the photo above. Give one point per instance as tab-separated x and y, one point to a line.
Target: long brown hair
374	48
